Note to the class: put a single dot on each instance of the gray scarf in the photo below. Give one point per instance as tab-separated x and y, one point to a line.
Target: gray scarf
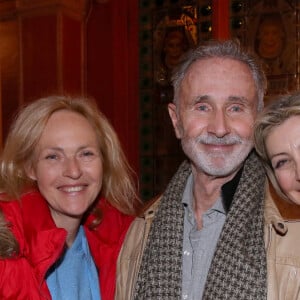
238	269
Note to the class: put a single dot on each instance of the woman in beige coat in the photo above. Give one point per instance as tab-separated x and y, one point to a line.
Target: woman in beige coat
277	141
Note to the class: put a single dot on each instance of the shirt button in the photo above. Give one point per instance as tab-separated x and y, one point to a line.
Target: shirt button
185	296
185	252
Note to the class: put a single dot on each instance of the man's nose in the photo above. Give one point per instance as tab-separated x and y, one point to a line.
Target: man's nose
218	124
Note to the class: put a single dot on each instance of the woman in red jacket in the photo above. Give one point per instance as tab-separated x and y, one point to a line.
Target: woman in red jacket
74	200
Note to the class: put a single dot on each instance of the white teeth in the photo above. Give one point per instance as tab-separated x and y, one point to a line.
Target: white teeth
73	189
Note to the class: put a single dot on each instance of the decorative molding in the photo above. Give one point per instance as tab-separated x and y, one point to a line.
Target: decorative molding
101	1
11	8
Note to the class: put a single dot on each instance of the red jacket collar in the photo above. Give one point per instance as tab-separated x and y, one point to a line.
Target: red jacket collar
46	241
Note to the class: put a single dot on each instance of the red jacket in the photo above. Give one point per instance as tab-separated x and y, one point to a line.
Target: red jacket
41	244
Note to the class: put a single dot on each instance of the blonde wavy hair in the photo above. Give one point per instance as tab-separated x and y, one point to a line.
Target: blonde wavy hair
118	185
272	116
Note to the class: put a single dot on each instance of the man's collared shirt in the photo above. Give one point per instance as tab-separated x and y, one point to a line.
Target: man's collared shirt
198	245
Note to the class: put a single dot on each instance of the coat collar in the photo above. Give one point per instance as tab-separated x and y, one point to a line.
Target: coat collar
272	214
45	241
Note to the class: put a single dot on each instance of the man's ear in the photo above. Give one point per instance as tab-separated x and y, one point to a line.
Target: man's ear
175	119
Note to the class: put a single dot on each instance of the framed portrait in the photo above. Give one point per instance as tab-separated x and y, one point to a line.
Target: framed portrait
174	32
272	31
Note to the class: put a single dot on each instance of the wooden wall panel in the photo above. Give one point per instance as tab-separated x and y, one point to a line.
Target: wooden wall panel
39	56
41	51
72	55
100	55
112	64
220	19
78	47
10	71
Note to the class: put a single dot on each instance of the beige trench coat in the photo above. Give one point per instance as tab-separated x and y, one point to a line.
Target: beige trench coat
282	240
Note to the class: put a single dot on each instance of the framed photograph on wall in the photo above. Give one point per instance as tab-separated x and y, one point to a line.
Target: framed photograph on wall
174	32
272	31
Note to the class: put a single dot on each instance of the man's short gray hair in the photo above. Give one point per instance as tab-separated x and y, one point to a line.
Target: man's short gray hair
222	49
